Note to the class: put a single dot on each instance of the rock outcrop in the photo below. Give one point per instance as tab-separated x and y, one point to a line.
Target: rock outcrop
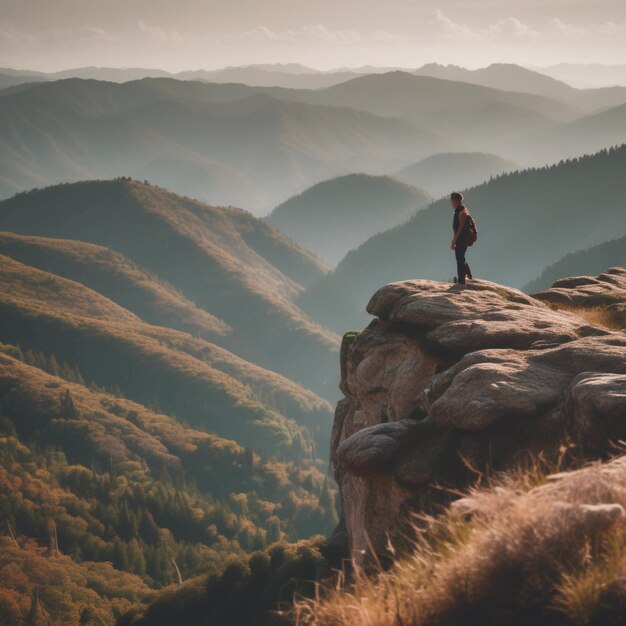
448	384
606	291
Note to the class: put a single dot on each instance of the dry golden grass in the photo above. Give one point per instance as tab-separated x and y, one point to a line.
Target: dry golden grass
512	554
597	316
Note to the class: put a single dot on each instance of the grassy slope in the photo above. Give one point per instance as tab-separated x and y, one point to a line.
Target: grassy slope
335	216
227	262
529	551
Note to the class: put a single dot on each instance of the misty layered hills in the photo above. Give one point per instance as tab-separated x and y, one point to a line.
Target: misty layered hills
446	105
289	75
581	263
442	173
270	77
338	215
585	135
255	146
505	76
526	220
11	80
225	261
221	143
589	98
587	75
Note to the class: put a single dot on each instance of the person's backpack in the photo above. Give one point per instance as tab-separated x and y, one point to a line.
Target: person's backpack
471	232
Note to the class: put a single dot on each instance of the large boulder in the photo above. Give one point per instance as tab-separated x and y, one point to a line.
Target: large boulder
449	383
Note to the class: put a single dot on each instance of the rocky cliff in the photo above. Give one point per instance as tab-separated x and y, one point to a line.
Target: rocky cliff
449	384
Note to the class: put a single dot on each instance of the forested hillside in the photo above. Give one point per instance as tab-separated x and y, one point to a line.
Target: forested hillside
137	455
582	262
96	477
228	263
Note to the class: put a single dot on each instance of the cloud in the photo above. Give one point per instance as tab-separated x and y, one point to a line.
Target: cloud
18	38
507	27
317	33
167	35
516	29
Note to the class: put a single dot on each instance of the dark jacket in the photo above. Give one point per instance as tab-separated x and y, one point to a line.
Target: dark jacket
456	220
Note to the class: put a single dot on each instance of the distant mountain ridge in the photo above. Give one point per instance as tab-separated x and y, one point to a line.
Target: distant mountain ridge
228	144
507	76
255	146
443	173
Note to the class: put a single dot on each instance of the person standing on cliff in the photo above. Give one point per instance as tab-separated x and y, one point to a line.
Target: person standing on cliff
461	224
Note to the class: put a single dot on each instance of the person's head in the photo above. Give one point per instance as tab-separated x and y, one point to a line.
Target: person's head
456	199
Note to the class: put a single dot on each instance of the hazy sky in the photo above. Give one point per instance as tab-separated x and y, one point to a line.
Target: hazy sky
189	34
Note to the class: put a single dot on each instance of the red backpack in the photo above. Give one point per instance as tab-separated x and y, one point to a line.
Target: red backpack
471	232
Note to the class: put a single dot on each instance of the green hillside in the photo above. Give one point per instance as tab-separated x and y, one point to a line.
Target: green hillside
441	174
526	221
338	215
588	262
230	264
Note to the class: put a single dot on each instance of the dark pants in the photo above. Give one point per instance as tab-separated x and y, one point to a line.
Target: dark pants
462	268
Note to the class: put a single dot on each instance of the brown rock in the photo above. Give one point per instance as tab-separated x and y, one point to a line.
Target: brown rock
449	383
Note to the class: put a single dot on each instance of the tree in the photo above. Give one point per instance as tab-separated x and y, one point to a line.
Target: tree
68	408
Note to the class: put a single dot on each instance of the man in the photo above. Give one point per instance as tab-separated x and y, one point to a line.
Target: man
460	226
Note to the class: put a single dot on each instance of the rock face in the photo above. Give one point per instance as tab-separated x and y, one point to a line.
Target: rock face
448	384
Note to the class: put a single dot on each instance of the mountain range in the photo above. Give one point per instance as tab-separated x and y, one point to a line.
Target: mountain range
224	143
256	146
179	254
